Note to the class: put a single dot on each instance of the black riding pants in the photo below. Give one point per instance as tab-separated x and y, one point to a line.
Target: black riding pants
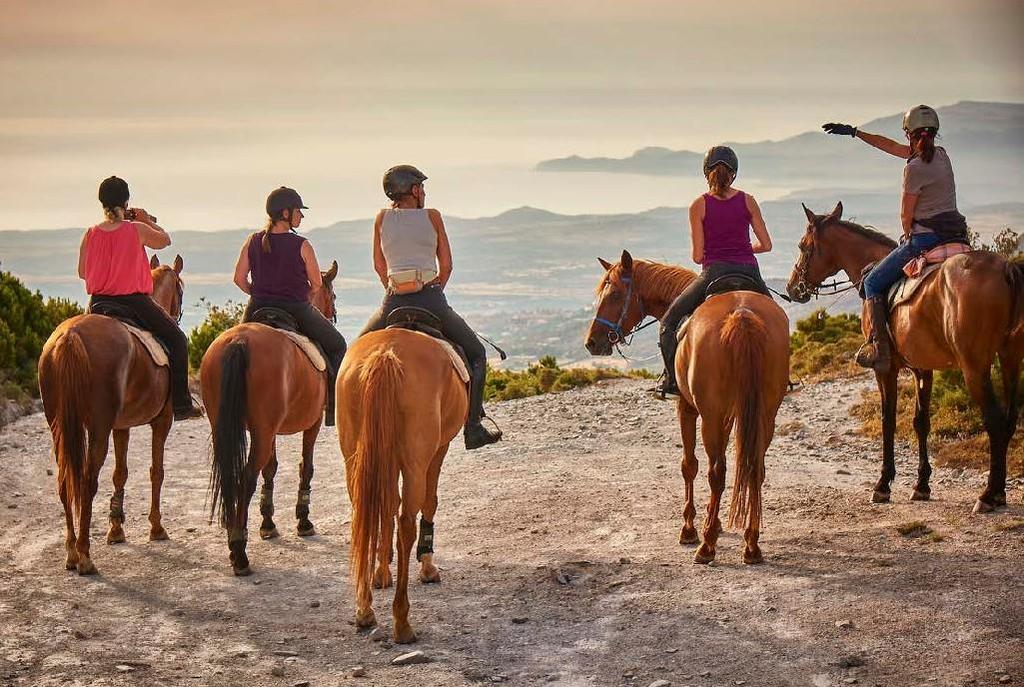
688	301
163	327
311	323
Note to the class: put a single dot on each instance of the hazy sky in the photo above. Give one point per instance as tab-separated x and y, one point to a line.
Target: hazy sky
204	107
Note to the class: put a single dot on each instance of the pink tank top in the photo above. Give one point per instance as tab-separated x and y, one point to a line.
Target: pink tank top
115	262
727	231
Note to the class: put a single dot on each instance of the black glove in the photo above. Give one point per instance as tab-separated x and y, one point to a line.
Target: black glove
839	129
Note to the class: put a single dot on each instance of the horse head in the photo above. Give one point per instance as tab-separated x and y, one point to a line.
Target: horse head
818	256
168	288
619	309
324	297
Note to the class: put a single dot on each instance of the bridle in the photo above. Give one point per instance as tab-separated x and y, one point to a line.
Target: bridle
802	289
616	335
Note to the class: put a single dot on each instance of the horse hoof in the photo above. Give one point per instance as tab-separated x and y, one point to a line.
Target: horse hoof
703	557
70	564
158	534
983	507
306	530
271	533
404	636
880	497
86	567
367	619
999	500
115	536
688	535
242	572
382	580
753	557
430	576
921	495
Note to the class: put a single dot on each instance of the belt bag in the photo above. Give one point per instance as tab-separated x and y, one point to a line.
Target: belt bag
409	281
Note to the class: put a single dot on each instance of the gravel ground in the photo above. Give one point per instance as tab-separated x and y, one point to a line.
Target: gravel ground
560	566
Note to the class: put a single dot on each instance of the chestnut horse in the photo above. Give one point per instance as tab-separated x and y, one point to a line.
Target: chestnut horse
400	402
255	377
733	368
962	317
95	379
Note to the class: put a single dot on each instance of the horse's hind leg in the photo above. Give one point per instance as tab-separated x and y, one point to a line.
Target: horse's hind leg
716	438
63	487
161	426
887	389
115	535
413	496
95	455
979	383
425	544
260	453
688	425
268	530
305	528
922	425
1009	363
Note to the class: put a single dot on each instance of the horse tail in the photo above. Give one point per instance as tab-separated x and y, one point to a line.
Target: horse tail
70	388
374	465
228	479
743	336
1015	279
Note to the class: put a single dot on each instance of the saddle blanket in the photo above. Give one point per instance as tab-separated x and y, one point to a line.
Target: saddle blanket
307	346
457	362
936	255
150	343
902	290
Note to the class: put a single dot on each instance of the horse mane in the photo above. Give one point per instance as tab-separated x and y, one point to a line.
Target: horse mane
867	232
659	281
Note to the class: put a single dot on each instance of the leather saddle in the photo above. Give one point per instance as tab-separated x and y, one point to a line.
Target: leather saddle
125	315
275	318
426	322
733	282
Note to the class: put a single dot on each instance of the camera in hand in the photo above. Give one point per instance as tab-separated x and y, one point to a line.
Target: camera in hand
130	215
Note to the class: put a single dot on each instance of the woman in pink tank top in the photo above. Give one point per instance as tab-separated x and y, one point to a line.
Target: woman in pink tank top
720	224
112	261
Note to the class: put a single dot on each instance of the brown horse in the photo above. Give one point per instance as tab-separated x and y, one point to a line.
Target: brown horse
96	378
962	317
400	403
254	377
733	367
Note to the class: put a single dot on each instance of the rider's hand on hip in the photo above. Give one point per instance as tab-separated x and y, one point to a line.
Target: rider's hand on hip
839	129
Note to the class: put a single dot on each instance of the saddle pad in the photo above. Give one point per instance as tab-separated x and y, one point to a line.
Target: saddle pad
902	290
457	362
936	255
308	347
150	343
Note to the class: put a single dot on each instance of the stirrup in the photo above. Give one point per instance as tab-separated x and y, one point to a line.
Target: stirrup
869	356
663	388
478	436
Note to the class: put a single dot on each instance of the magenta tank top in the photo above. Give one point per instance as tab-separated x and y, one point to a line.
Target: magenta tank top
727	231
279	275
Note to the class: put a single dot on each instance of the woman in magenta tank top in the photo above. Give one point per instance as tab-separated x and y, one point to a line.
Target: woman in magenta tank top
720	224
112	261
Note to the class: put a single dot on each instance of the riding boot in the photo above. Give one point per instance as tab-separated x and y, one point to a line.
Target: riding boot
332	377
475	434
875	352
668	344
184	405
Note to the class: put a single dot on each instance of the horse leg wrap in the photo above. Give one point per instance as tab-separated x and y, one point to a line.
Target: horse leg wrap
117	507
267	502
302	504
238	534
426	541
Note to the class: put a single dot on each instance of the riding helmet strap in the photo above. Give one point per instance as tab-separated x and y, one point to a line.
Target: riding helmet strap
426	541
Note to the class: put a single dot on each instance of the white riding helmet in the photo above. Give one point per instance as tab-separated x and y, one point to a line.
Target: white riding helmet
920	117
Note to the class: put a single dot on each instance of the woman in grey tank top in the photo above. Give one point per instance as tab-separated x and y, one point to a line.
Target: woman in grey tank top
413	259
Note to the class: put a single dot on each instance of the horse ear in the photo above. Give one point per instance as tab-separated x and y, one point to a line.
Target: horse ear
837	212
605	264
154	262
330	274
626	261
810	215
178	264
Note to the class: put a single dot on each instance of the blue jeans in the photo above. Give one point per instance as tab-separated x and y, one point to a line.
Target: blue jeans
890	269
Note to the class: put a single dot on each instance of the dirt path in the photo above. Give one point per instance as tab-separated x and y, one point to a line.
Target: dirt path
560	565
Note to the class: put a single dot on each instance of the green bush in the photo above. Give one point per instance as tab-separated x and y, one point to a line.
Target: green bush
26	321
545	376
823	346
219	319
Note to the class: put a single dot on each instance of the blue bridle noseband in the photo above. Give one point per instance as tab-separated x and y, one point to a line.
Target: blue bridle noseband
616	334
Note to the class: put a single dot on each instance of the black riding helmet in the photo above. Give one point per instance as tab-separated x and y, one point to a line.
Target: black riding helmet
721	155
282	199
399	180
114	193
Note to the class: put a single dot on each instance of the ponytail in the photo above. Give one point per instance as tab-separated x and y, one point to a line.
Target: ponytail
114	214
719	179
265	241
922	142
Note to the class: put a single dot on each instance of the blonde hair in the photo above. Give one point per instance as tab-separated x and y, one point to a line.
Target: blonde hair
720	179
114	214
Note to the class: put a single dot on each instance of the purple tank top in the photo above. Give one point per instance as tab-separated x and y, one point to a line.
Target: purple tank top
279	275
727	231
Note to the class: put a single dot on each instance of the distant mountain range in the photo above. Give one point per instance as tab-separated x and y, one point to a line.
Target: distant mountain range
985	141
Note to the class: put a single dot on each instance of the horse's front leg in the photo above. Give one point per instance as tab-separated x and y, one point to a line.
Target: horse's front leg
688	427
305	528
161	425
115	535
922	425
268	530
887	390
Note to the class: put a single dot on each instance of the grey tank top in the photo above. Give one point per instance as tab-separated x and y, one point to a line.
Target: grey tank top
408	239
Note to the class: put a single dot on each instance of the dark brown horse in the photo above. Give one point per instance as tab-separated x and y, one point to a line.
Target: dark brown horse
964	316
255	377
95	379
733	367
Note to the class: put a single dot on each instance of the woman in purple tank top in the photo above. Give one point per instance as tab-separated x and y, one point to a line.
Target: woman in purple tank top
284	274
720	223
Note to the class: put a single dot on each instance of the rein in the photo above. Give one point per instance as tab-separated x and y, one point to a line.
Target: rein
616	335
